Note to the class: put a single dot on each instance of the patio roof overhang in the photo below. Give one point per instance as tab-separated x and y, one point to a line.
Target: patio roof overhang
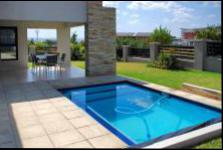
100	27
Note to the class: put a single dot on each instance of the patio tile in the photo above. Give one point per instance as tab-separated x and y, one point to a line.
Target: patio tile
15	97
51	118
107	141
31	132
4	115
40	112
22	114
34	95
57	127
39	101
93	131
66	138
51	93
6	135
67	108
23	111
82	122
39	142
8	145
27	122
83	144
73	114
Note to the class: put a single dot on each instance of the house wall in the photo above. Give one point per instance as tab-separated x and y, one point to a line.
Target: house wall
63	35
57	11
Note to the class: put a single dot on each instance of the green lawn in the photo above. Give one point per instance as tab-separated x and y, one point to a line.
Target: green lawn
173	79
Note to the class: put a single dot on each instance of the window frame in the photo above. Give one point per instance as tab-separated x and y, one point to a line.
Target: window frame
9	45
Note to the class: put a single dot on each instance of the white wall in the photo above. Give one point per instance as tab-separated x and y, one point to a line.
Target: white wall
56	11
63	35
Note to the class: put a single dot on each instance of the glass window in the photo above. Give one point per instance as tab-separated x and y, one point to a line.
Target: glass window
8	43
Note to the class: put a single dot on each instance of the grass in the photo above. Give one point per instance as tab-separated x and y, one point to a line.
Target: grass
173	79
213	144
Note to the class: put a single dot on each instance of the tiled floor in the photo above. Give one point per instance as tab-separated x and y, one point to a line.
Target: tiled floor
29	75
36	115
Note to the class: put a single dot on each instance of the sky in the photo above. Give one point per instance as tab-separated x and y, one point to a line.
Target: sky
145	16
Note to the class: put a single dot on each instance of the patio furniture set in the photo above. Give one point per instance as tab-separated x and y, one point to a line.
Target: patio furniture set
47	60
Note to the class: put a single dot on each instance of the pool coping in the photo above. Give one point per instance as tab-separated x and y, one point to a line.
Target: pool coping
189	138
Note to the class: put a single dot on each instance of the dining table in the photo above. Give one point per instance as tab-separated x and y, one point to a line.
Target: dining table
43	57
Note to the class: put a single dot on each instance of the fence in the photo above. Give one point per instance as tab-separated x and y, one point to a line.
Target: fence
213	48
205	55
133	54
180	52
139	52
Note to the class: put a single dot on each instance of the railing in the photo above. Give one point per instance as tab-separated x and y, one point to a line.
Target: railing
182	52
134	52
213	48
139	52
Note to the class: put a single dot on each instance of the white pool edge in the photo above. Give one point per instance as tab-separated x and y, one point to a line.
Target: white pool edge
191	138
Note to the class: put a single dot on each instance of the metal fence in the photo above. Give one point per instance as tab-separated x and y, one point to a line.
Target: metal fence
134	52
137	52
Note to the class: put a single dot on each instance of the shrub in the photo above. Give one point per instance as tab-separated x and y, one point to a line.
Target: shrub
165	61
77	51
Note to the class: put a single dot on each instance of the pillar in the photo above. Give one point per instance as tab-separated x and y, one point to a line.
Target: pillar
63	43
100	40
154	50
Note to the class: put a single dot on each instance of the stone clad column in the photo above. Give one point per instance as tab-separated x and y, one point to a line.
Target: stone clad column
154	50
63	43
100	40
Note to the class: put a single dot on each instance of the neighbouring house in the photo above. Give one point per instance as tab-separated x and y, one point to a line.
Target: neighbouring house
188	35
17	16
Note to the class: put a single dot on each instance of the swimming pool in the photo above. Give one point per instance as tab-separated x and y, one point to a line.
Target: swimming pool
137	114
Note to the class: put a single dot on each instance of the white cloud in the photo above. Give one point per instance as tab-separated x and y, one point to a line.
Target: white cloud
211	16
133	19
114	4
179	13
213	3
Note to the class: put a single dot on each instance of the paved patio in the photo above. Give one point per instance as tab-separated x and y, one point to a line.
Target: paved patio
28	75
35	115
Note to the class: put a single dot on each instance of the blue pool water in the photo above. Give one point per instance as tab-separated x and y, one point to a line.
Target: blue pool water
138	114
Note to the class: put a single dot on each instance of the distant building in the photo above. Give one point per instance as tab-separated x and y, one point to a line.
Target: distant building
188	35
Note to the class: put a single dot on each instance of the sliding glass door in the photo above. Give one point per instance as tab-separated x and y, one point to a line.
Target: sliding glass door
8	43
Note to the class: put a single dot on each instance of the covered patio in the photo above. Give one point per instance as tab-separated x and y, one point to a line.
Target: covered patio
12	77
33	113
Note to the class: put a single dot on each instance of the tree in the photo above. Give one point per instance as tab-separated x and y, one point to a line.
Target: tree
211	33
73	38
133	43
161	35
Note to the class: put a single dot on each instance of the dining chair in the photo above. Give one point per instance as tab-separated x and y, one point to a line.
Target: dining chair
35	63
51	61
